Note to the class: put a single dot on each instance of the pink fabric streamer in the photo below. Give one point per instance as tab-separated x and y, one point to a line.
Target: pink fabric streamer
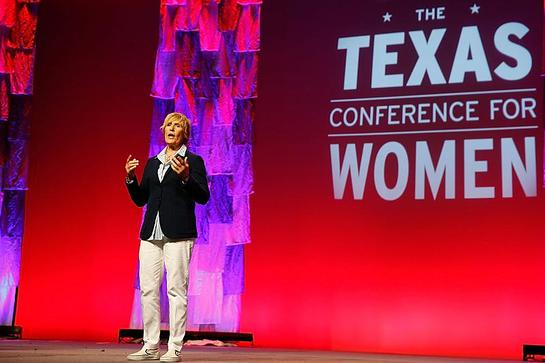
165	80
229	12
205	297
188	55
174	2
187	18
249	2
4	99
5	54
242	167
167	35
229	314
225	106
208	27
24	32
7	13
186	102
241	221
21	77
247	33
246	81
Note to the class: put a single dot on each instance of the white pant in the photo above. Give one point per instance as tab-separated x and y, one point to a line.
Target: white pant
154	256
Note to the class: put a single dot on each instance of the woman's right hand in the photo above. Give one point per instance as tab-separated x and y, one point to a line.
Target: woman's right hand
130	165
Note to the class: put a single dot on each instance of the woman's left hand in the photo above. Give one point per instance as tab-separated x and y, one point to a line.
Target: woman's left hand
181	167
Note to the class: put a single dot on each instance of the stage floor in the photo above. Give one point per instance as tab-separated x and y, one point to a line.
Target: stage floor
32	351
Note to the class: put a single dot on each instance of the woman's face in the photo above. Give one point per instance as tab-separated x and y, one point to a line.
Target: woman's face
173	133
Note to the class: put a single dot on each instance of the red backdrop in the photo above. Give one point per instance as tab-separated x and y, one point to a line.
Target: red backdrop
446	277
93	73
437	277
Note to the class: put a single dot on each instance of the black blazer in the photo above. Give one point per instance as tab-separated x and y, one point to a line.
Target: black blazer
174	200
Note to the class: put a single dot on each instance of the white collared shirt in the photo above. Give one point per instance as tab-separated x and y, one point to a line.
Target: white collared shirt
165	165
157	233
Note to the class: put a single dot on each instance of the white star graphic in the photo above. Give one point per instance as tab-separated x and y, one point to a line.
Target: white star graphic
474	9
387	17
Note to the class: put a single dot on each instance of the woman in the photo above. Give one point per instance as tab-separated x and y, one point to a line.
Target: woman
172	182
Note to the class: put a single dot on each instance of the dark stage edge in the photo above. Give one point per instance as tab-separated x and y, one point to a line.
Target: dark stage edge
126	335
10	332
529	351
33	351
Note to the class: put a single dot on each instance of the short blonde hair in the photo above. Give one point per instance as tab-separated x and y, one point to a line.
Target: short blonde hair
182	119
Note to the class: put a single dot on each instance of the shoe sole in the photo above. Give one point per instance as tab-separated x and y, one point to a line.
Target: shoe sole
138	359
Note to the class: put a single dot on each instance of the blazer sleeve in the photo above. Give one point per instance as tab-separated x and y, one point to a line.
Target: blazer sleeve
197	185
139	192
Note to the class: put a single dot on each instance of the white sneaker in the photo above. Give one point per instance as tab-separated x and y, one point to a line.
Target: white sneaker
172	355
145	354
